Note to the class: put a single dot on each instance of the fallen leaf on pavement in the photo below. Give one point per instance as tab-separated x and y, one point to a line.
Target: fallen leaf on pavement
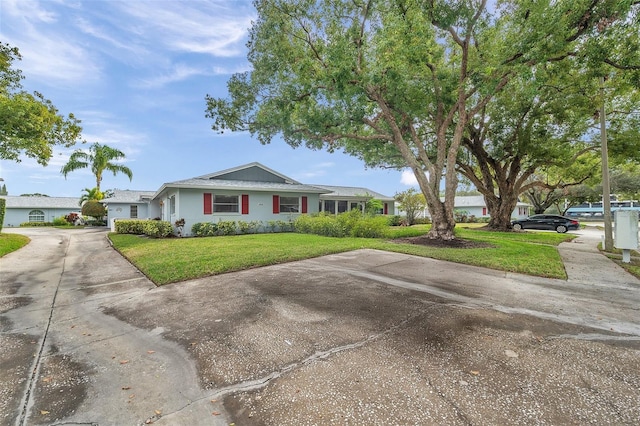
46	379
151	352
158	412
126	387
216	413
124	361
44	412
474	372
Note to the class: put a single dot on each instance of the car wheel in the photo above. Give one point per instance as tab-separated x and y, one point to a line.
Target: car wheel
561	229
517	227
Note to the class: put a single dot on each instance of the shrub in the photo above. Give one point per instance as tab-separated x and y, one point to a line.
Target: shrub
74	219
129	226
370	227
395	220
94	209
207	229
35	224
3	206
284	226
304	223
249	227
60	221
157	228
226	227
348	220
321	224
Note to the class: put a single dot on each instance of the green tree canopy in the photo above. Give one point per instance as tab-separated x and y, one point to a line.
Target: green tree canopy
29	123
394	82
94	209
93	194
99	158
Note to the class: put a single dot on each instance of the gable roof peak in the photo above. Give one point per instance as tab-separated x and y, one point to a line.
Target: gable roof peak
220	174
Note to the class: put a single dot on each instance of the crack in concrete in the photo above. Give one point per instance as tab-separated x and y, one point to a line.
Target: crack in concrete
596	337
35	370
625	328
252	385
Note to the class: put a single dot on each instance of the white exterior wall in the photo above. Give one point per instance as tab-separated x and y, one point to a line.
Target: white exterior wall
123	210
190	207
13	217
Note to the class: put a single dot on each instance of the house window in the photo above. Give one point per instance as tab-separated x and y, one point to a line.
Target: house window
133	212
355	206
330	206
172	204
36	216
342	206
289	204
225	204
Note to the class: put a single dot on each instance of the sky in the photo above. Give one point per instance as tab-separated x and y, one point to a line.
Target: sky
136	74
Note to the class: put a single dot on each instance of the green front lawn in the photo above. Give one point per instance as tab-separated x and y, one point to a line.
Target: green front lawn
177	259
12	242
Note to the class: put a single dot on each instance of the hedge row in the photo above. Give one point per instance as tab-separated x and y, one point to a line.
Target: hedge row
151	228
34	224
348	224
3	204
227	227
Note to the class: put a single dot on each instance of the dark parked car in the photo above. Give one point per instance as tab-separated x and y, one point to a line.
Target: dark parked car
550	222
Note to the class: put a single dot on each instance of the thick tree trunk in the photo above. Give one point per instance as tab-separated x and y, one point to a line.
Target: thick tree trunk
442	222
501	209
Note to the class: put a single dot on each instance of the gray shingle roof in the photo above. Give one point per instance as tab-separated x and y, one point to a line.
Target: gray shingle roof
129	196
351	191
16	202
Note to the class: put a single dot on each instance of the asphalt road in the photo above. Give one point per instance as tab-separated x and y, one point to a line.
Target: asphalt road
365	337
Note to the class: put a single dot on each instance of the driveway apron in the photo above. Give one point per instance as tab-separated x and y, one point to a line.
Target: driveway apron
62	355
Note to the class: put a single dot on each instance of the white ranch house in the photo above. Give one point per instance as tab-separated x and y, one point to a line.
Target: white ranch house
253	192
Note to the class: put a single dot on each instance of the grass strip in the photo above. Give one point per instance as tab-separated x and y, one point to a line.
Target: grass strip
12	242
171	260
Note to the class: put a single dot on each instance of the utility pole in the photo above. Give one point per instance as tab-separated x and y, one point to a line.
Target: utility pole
606	189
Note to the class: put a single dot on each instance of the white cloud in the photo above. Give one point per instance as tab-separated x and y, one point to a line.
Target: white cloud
50	52
214	28
408	178
179	72
317	170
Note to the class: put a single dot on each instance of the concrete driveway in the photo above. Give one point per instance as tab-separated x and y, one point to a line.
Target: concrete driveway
365	337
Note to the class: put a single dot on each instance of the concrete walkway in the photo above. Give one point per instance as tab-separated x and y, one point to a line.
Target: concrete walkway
584	263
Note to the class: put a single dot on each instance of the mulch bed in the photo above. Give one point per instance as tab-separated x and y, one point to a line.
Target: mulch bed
431	242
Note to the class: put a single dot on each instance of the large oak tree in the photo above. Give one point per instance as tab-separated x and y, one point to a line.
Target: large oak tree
393	82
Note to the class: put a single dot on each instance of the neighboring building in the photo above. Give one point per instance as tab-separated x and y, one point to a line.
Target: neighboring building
37	209
596	210
127	204
474	205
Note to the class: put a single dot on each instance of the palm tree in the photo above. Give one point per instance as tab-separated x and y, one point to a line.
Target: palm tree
91	194
99	158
